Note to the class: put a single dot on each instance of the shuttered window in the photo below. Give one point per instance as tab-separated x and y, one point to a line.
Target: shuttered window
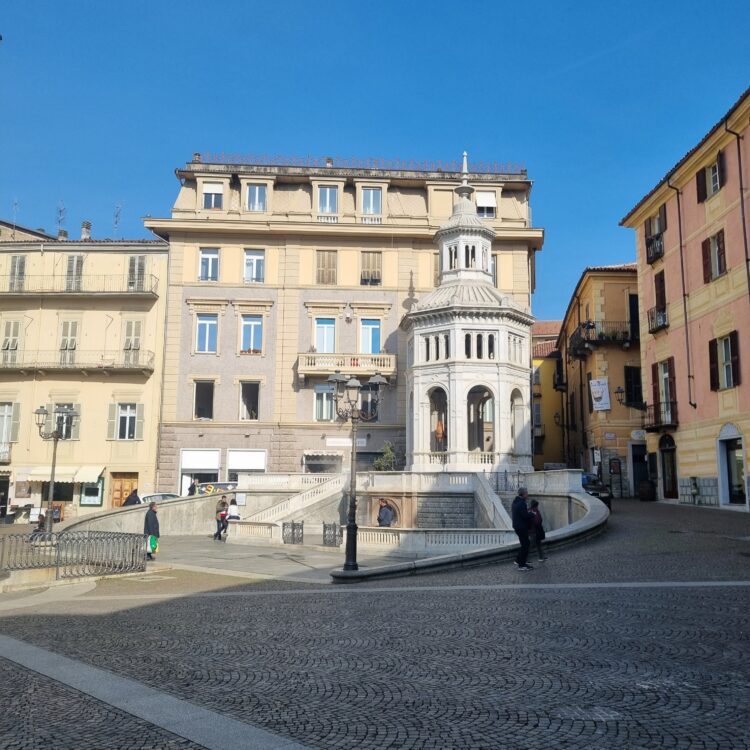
125	421
11	332
68	341
17	273
74	273
713	253
10	417
724	362
372	263
136	273
660	290
633	387
709	180
326	261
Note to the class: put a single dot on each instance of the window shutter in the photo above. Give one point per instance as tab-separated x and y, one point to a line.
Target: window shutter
713	364
139	421
706	252
700	185
75	432
721	258
734	345
15	422
112	422
647	229
660	292
722	167
663	217
655	387
672	384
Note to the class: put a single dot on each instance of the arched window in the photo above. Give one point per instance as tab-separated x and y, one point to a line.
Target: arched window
491	346
467	345
480	346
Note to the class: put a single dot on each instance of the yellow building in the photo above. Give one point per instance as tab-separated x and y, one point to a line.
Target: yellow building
600	377
547	405
81	324
283	272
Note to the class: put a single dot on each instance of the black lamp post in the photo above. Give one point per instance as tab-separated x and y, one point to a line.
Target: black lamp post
346	395
63	417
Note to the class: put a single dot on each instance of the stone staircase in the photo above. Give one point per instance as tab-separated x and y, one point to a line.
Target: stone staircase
439	512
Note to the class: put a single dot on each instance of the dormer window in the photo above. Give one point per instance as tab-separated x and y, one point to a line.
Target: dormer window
486	204
256	198
328	199
213	195
371	201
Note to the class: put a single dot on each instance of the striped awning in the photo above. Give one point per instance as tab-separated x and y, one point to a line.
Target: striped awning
63	474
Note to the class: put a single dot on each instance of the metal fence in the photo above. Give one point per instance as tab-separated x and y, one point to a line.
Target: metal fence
505	481
74	554
293	532
333	535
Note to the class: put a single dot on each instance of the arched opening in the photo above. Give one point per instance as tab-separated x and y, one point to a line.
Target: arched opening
491	346
516	421
447	346
480	411
668	455
467	256
467	345
426	348
438	420
480	346
437	348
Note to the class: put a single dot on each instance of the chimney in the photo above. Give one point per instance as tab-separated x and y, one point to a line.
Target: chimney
62	234
85	230
329	161
196	157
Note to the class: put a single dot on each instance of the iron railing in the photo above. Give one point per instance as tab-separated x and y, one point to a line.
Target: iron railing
595	332
654	247
661	416
293	532
74	554
333	535
658	318
76	359
5	453
505	481
83	284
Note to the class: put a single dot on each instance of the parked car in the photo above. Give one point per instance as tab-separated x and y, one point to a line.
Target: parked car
592	485
158	497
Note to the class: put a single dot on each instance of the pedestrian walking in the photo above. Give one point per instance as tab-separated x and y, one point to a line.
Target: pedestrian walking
222	508
522	518
386	514
132	498
537	529
233	513
151	529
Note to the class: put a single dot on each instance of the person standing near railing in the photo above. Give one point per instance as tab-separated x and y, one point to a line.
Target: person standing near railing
151	529
522	519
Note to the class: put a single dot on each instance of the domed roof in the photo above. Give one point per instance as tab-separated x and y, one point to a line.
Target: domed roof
463	293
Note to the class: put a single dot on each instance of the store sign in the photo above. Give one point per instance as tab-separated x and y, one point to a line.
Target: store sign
600	394
638	435
610	436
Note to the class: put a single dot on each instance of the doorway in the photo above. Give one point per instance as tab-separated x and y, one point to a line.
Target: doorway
735	471
638	465
4	490
668	453
123	483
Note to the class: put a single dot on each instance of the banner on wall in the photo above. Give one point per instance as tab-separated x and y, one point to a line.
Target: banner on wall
600	394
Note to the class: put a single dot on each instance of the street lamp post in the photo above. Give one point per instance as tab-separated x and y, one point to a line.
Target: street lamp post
62	427
346	395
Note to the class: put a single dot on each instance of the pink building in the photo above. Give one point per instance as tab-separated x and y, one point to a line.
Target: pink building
694	289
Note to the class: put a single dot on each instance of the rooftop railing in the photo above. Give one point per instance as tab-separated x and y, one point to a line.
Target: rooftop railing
76	359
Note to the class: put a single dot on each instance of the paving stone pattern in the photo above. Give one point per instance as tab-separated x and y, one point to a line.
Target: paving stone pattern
429	663
41	714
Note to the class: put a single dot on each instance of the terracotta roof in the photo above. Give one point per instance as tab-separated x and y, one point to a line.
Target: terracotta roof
546	328
544	349
705	138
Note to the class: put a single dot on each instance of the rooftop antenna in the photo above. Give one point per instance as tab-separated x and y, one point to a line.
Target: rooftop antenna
15	217
60	216
116	219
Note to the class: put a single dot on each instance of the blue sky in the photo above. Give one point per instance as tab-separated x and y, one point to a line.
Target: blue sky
101	101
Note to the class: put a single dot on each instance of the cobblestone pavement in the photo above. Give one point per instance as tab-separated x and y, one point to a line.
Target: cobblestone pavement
41	714
485	658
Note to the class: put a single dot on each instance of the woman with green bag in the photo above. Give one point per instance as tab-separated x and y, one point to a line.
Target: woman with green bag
151	529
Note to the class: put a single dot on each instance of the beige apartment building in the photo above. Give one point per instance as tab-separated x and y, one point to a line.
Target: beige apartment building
547	406
81	325
599	376
281	273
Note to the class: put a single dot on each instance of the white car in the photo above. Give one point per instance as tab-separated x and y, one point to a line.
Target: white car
158	497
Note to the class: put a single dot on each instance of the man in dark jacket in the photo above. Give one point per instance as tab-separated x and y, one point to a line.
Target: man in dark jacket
132	498
385	514
151	527
522	519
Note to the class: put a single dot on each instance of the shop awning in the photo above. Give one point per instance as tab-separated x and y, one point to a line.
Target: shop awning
63	474
89	474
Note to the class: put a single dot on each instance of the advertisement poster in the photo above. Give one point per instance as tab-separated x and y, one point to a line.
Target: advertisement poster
600	394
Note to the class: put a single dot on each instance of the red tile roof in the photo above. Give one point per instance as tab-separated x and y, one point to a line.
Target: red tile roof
544	349
546	328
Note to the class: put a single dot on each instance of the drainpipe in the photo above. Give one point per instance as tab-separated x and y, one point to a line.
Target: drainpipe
738	138
690	376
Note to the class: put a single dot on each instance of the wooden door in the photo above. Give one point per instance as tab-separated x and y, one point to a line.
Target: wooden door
122	485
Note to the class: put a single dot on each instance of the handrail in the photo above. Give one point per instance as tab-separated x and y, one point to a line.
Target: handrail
76	359
301	500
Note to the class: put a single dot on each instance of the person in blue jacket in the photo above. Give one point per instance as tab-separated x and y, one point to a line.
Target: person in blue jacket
522	519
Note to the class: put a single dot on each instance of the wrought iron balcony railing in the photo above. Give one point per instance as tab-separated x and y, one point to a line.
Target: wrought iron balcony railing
654	247
558	382
658	318
587	336
661	416
319	363
5	453
76	359
145	284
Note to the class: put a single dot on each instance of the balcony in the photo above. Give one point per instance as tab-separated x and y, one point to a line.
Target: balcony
661	416
654	247
77	360
111	285
558	382
318	364
538	430
328	219
658	318
5	453
594	333
369	219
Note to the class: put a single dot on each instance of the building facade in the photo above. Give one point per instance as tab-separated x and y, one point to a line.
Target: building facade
82	326
279	276
694	281
600	376
547	403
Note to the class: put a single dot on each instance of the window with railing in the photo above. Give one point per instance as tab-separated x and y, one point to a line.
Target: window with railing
372	263
654	229
328	199
658	317
371	201
74	273
17	273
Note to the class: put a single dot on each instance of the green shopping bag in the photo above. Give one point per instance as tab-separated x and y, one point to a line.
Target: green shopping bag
152	544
